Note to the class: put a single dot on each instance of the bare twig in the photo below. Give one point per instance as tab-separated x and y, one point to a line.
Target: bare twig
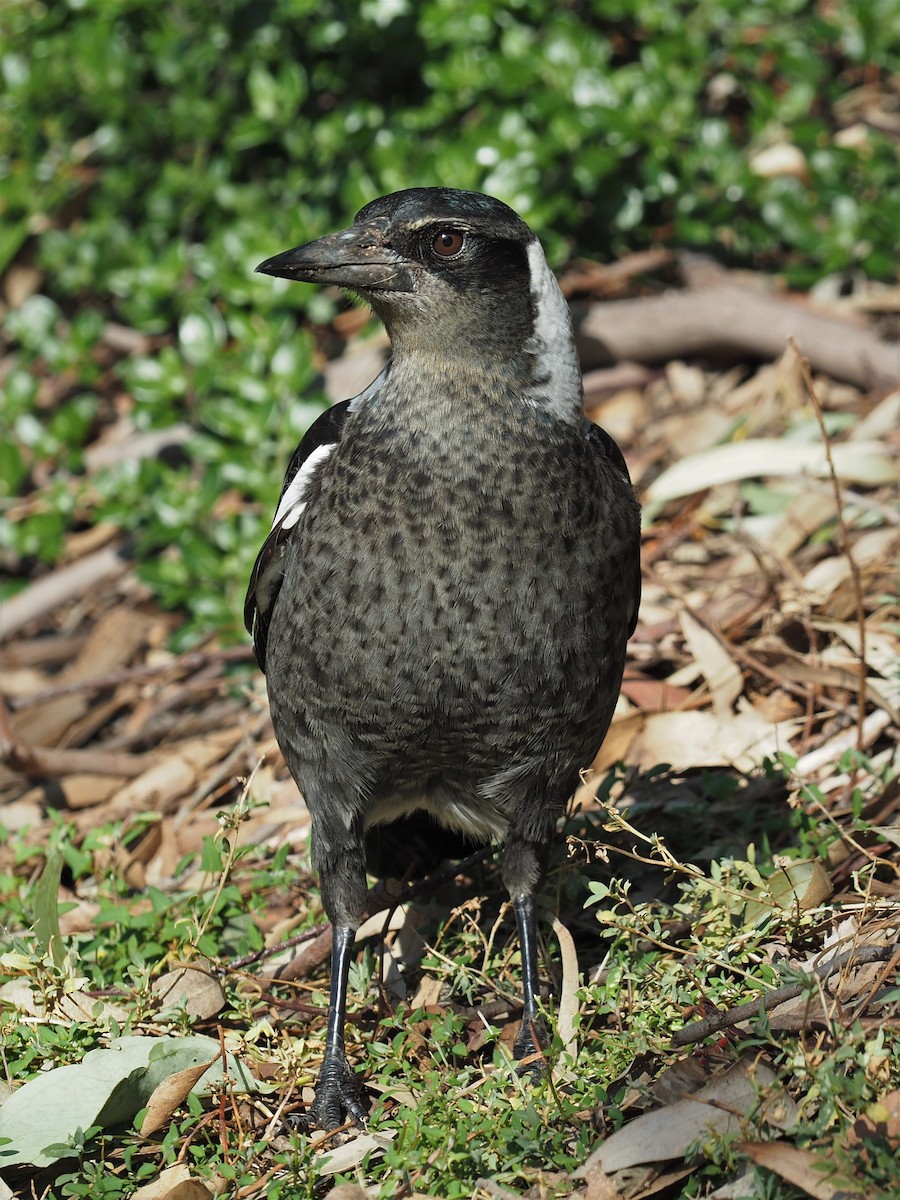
859	957
248	960
197	660
728	319
844	542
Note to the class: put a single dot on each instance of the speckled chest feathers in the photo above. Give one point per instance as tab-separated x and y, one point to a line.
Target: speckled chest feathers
443	603
454	594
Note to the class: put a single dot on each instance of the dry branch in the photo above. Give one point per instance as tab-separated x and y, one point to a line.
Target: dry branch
755	1008
726	319
54	591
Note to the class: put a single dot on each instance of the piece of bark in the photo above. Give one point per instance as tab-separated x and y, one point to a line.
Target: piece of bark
41	762
111	645
62	585
726	319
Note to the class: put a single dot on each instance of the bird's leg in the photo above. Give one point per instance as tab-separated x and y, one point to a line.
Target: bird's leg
337	1091
522	866
532	1031
343	881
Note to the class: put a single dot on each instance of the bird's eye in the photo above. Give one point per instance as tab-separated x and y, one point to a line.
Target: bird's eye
448	243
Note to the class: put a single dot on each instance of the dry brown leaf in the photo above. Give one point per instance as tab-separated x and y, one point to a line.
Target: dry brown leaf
884	419
657	695
765	458
81	918
876	547
352	1152
348	1191
661	1182
721	672
428	993
175	1183
169	1095
25	813
193	987
155	857
874	725
701	739
880	1122
85	541
616	748
69	1008
623	413
20	281
804	1169
601	1186
881	645
567	1002
720	1106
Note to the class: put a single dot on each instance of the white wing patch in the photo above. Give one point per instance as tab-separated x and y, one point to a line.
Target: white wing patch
555	349
293	502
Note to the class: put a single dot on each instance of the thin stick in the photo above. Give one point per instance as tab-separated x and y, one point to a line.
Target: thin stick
843	542
755	1008
185	663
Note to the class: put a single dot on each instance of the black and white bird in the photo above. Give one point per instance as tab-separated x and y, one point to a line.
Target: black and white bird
442	605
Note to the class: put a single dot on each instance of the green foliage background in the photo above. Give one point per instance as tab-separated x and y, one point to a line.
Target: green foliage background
151	154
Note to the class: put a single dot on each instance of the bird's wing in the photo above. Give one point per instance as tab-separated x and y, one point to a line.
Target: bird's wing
306	462
606	447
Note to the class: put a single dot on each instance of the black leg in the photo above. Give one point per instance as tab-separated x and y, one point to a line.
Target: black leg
338	856
522	865
532	1031
337	1091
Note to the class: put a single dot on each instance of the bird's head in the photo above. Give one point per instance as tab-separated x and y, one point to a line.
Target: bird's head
441	267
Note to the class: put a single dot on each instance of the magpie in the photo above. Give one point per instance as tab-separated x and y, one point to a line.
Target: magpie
442	605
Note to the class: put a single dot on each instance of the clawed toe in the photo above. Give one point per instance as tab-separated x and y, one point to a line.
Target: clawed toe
338	1097
528	1048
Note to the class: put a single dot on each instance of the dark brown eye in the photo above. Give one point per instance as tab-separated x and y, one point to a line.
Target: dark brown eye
448	243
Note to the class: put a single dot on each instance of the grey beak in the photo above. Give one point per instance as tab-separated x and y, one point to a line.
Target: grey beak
357	259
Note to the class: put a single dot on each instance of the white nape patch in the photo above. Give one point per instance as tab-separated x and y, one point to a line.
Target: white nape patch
293	502
562	394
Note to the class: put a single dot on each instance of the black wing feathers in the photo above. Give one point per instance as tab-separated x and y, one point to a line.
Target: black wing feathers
267	573
608	447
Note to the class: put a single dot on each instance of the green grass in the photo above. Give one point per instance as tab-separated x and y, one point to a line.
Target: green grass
451	1101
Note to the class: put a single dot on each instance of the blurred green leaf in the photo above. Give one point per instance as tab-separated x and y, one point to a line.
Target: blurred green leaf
46	910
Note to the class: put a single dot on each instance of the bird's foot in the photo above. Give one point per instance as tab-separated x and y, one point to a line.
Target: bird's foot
338	1096
528	1050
